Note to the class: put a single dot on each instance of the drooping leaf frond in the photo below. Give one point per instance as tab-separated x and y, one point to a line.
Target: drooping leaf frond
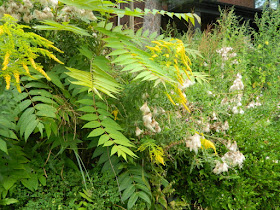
96	80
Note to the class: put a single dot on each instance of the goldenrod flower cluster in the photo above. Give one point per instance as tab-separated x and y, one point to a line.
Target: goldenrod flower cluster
19	51
172	55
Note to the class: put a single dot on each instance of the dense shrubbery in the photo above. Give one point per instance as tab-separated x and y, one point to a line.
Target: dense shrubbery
125	122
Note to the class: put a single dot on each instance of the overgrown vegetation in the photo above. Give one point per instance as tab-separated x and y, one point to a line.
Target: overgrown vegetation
134	120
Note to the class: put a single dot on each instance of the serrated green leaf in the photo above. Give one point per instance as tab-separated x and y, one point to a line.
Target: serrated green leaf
142	74
8	134
144	196
8	201
23	105
44	100
114	149
86	52
143	188
45	107
37	85
103	112
96	132
30	128
92	124
25	115
32	183
89	117
26	122
3	146
86	102
132	200
52	25
111	123
56	80
124	143
9	182
101	105
128	192
87	109
140	179
20	97
103	139
103	158
43	180
123	57
86	197
45	113
118	52
126	182
98	151
108	143
41	92
126	151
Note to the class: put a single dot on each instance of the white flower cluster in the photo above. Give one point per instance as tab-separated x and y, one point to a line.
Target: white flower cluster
237	86
26	11
274	161
149	122
226	53
231	159
187	83
70	12
17	10
216	126
194	142
253	104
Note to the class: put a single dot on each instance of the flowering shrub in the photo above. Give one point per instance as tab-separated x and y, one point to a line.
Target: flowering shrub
238	111
171	132
29	11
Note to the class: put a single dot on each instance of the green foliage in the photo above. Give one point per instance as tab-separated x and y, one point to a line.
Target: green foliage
108	7
255	130
97	79
20	49
65	192
105	128
86	117
134	185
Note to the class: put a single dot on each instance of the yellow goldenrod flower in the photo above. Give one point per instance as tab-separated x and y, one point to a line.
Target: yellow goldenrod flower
1	30
208	144
16	75
154	55
166	55
168	63
39	69
26	68
55	58
33	63
8	81
18	88
266	42
170	99
56	49
6	61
